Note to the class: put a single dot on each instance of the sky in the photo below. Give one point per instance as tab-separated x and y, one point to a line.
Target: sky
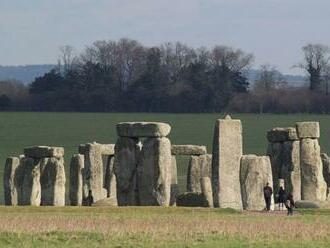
31	31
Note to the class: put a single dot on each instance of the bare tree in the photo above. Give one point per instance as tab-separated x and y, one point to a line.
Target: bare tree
316	61
67	58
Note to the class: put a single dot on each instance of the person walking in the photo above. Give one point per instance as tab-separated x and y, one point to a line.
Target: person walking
268	191
289	204
281	198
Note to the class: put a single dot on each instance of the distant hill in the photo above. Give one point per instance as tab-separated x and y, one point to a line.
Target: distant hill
25	74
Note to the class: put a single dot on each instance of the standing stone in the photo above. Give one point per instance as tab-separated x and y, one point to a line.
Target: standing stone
326	168
313	186
110	178
194	174
125	168
206	187
174	181
52	181
275	153
154	172
76	179
30	185
93	172
10	184
254	175
291	168
227	153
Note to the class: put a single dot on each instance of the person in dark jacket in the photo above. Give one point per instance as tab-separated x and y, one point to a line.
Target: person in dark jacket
268	191
289	204
281	198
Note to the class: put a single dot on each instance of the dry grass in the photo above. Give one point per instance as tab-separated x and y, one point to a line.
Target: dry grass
165	224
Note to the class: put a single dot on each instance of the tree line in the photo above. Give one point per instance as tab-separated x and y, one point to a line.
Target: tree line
126	76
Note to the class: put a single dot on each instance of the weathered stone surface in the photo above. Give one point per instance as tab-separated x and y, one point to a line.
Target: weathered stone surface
106	202
43	152
110	183
188	150
93	172
281	134
227	153
174	182
254	175
290	170
154	172
307	204
313	186
191	199
198	167
326	168
308	129
206	187
9	181
125	168
106	149
52	181
76	179
143	129
30	188
285	161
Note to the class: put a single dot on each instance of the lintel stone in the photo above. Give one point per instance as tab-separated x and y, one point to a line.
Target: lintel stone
188	150
143	129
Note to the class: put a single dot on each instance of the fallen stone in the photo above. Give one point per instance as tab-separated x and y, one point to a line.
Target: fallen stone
308	129
226	157
43	152
52	181
9	181
106	202
125	168
313	186
154	172
254	175
307	204
174	182
188	150
282	134
143	129
206	187
191	199
76	179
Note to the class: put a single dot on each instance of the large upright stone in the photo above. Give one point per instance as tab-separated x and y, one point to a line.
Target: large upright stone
206	188
125	168
275	153
9	181
198	167
291	168
52	181
30	188
143	129
313	186
308	129
93	172
174	181
188	150
110	183
254	175
227	153
76	179
326	168
154	172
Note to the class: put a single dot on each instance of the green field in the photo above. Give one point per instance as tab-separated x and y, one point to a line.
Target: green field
18	130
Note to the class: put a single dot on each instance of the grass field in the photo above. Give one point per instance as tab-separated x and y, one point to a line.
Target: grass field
18	130
160	227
